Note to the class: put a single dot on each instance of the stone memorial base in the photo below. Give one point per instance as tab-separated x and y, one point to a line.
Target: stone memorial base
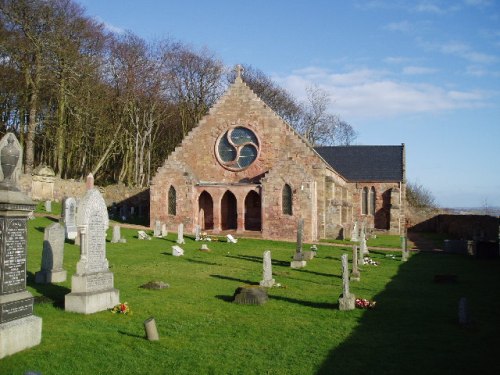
47	277
355	276
20	334
91	302
91	293
298	263
267	283
347	303
308	255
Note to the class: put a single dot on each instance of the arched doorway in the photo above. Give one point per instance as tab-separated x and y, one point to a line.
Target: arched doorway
228	211
206	203
252	211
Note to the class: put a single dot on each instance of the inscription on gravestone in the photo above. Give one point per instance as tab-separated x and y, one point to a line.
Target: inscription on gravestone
96	242
14	255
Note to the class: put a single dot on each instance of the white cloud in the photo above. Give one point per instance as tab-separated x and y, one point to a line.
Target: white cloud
368	93
428	7
417	70
111	28
464	51
403	26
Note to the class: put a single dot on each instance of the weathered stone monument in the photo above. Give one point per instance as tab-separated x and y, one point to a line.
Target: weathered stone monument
143	235
346	300
157	229
180	234
164	230
197	232
92	286
355	275
231	239
42	183
52	256
19	328
298	258
355	233
267	274
362	244
69	218
177	251
117	235
201	218
361	260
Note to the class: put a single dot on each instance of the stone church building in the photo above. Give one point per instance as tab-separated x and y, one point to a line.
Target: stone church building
243	169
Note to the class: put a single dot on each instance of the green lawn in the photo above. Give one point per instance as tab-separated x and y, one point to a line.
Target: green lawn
412	330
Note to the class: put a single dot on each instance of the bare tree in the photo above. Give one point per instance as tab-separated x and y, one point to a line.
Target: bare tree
418	196
320	127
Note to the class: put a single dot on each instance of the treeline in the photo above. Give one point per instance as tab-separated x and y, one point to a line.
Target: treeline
82	99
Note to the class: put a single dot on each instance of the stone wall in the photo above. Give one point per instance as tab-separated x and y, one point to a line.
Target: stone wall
120	196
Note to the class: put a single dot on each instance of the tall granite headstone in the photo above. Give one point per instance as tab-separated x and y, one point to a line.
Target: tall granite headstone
346	300
197	232
52	256
117	236
298	258
267	274
19	328
164	230
69	215
404	249
92	286
362	244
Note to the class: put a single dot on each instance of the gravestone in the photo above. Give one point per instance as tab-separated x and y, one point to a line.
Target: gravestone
42	183
404	249
157	229
355	275
204	247
52	256
267	274
180	234
92	286
298	258
142	235
362	244
69	218
231	239
177	251
250	295
48	206
164	231
360	256
355	233
346	300
117	235
19	328
197	232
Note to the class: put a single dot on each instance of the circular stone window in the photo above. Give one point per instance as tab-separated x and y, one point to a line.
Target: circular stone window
237	148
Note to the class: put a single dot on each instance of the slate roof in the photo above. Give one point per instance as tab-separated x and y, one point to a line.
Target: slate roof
366	163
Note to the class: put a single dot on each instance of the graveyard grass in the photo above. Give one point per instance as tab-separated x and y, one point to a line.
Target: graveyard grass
412	330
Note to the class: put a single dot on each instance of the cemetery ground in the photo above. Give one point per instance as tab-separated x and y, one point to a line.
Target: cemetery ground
412	330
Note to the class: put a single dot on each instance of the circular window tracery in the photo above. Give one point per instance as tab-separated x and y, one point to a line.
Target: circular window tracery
237	148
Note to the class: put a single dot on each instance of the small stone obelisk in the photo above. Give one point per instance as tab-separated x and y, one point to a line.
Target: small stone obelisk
355	275
298	258
267	274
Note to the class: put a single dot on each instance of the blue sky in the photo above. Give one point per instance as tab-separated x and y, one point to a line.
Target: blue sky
422	73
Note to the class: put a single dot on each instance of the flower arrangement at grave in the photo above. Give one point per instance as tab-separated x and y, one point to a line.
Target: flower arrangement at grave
369	261
122	308
362	303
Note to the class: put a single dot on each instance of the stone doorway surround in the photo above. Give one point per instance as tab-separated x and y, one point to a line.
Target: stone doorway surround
217	192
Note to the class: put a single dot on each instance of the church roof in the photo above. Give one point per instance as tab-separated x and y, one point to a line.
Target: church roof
366	163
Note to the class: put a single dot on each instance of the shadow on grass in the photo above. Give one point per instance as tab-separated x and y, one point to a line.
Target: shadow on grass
225	298
51	292
329	275
252	258
222	277
131	335
202	262
316	305
414	328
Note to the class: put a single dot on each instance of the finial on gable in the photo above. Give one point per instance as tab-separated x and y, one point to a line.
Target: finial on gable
239	72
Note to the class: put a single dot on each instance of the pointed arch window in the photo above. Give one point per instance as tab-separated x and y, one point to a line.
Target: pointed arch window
372	201
286	200
364	201
172	201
